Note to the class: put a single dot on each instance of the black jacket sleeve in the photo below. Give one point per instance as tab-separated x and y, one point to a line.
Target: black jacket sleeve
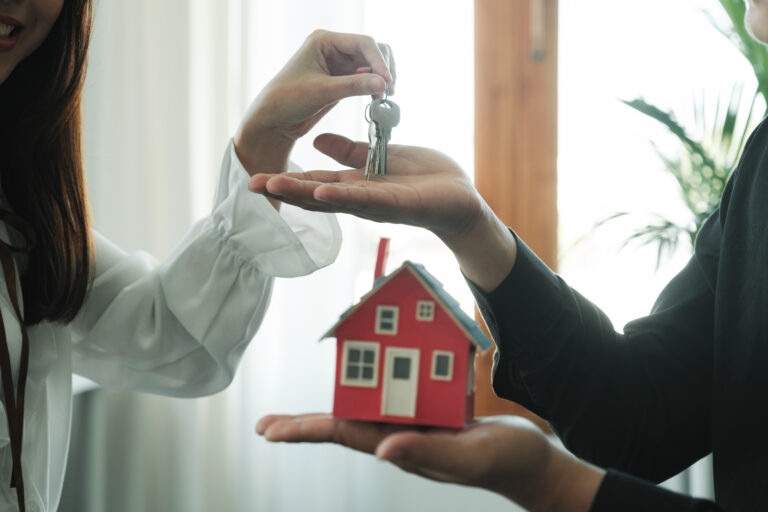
638	401
629	494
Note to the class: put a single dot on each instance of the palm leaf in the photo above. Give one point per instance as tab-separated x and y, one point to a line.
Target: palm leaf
709	150
706	156
669	121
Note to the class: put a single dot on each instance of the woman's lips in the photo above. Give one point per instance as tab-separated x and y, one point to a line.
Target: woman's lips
9	20
9	32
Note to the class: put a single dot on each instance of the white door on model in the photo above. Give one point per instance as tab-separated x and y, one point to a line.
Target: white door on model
401	382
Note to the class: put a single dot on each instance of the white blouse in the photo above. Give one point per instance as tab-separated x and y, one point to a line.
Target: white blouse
176	328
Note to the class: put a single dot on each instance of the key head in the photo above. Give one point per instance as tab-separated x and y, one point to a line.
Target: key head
385	113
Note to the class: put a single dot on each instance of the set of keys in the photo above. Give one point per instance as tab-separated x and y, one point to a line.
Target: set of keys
382	115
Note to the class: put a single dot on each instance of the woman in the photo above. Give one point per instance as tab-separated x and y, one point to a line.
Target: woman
74	302
687	380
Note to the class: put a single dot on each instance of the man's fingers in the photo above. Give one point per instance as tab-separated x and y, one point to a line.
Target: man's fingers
339	191
289	190
258	183
447	456
306	429
292	185
370	196
340	194
265	422
362	435
343	150
324	428
313	206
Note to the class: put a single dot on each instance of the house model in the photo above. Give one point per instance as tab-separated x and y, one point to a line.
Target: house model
406	352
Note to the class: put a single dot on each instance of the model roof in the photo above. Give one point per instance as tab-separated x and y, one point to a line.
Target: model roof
470	327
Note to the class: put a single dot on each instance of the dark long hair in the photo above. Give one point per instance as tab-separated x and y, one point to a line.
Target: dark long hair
41	165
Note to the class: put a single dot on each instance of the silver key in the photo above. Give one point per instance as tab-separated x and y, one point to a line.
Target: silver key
386	115
373	139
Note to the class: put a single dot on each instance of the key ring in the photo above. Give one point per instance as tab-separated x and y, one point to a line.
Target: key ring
368	112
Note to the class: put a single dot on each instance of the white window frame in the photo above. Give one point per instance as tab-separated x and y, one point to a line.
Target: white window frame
450	365
396	314
431	316
362	346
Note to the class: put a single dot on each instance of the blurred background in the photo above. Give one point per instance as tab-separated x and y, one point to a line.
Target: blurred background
167	84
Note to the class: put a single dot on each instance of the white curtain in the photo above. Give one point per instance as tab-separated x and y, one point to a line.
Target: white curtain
167	84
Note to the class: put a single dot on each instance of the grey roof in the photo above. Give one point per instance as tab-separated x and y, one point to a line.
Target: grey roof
468	324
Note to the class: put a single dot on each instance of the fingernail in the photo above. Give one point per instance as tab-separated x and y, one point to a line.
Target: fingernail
395	456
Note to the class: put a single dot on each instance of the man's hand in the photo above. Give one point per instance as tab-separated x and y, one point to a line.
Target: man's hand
508	455
422	188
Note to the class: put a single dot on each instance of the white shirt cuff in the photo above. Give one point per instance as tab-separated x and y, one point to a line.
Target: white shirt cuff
290	243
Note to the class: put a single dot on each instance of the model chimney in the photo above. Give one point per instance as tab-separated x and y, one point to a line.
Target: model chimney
381	258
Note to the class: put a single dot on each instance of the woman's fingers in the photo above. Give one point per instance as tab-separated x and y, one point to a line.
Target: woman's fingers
389	56
329	90
353	46
354	64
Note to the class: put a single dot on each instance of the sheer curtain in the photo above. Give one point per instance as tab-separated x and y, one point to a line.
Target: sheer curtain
168	82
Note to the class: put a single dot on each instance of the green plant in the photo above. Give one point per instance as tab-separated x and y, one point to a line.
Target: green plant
754	51
709	150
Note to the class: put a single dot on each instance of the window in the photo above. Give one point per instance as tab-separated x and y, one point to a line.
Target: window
442	365
402	368
386	320
425	310
360	364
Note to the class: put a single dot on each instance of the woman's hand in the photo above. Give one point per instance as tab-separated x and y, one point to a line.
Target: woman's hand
329	66
422	188
507	455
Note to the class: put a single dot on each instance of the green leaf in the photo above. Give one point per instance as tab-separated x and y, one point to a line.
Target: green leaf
708	151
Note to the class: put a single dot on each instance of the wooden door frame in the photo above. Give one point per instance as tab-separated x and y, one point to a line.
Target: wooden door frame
516	135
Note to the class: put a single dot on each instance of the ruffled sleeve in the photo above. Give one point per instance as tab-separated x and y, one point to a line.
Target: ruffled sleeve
180	327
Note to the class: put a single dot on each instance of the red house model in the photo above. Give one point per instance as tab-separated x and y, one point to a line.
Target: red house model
406	353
